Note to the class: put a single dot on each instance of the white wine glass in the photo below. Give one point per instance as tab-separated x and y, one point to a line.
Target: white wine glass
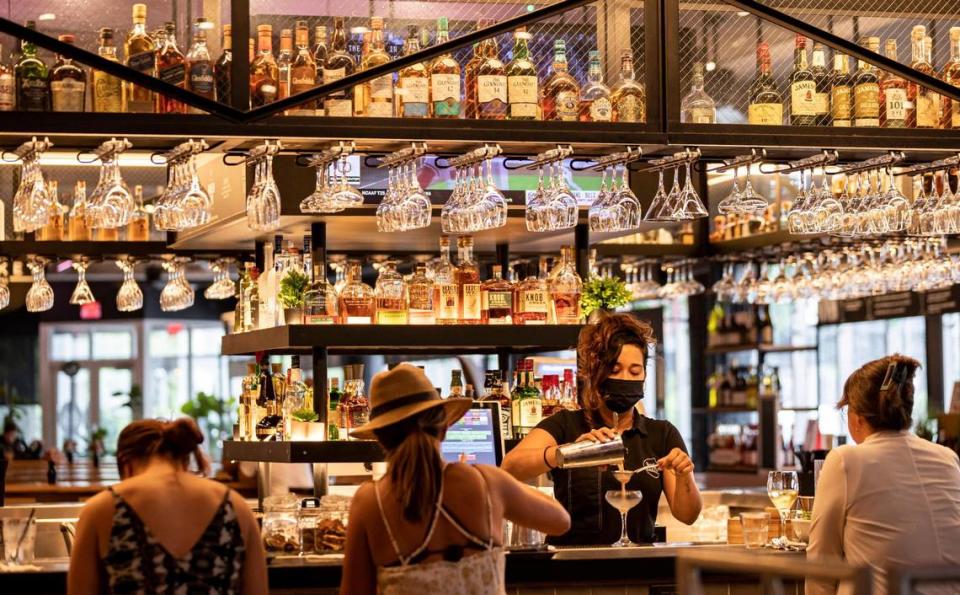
783	488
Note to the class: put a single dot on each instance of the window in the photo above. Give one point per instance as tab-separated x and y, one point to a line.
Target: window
951	356
112	345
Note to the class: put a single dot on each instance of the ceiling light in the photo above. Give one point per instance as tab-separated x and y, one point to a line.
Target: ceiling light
47	16
742	13
710	66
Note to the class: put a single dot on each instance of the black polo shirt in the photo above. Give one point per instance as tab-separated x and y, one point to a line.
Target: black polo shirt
581	490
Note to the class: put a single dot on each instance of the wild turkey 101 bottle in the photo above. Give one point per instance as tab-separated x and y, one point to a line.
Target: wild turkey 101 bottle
893	93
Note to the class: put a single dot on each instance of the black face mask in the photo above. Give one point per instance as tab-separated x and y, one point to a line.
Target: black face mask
621	395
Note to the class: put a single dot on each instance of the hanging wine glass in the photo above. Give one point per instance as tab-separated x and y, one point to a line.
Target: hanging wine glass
82	294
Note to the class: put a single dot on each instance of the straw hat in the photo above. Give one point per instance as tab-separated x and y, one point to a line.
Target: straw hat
404	392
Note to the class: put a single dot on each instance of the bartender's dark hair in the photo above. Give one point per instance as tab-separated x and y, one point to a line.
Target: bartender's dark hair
881	392
599	347
414	459
178	439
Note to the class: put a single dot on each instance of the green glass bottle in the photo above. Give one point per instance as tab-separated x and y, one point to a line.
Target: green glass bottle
33	85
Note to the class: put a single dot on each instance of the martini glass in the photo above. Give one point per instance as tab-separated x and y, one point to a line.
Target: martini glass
623	500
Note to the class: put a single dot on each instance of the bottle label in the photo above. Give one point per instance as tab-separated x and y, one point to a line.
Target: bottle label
702	115
896	104
445	94
339	107
567	307
491	88
866	104
392	317
531	412
768	114
601	110
381	88
415	97
144	62
175	75
68	95
629	109
522	95
821	103
954	112
449	302
335	74
927	110
421	297
567	106
33	94
8	92
802	98
322	318
840	106
380	109
201	78
301	81
533	301
497	300
471	301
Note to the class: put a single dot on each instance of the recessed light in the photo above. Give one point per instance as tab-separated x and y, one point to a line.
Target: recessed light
47	16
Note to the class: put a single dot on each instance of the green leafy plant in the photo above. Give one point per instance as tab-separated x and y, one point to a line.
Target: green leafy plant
212	414
292	287
926	428
603	293
305	415
95	441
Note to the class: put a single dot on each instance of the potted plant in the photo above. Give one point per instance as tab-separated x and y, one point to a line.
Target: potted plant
603	294
95	444
213	415
293	286
303	425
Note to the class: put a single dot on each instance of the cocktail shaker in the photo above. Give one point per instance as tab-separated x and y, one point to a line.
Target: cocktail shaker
590	454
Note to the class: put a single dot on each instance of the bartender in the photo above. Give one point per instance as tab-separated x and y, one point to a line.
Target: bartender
611	360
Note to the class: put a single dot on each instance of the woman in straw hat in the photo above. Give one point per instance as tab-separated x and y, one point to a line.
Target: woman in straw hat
427	525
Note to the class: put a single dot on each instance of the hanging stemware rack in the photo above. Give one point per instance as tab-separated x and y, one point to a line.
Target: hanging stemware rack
822	159
403	156
679	159
478	155
181	151
549	157
107	151
938	165
631	155
755	156
891	159
31	148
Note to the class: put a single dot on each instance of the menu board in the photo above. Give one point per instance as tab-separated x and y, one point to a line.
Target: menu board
892	305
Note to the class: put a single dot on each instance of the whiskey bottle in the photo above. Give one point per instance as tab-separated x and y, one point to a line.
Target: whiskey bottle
841	92
470	98
303	70
444	79
138	229
766	104
357	406
268	420
319	49
456	384
140	51
79	226
284	63
628	96
33	86
339	64
803	88
497	393
413	92
950	117
8	86
280	392
522	93
821	98
595	105
68	83
561	93
447	295
893	93
421	297
565	289
491	83
531	303
248	397
357	305
377	94
320	305
221	70
527	402
866	89
925	104
467	277
697	107
392	295
200	73
264	72
496	299
295	395
171	68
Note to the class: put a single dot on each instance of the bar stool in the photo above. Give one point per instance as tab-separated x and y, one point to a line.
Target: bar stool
902	581
771	568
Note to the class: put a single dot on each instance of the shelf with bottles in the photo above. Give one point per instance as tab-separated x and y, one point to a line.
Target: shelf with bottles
739	389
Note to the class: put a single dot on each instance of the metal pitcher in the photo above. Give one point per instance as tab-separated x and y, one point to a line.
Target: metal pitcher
591	454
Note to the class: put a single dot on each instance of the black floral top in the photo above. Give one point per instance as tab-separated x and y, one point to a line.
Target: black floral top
137	563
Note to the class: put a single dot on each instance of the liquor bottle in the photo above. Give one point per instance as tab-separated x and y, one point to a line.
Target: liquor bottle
421	297
251	294
264	72
551	394
33	86
529	404
338	65
444	79
319	49
491	83
841	92
821	76
320	304
893	93
238	310
171	68
950	116
303	70
68	83
470	96
565	289
467	277
357	305
200	71
393	298
333	408
268	420
866	89
284	63
357	407
522	83
628	96
499	394
530	307
376	96
279	382
925	104
497	299
560	95
140	51
8	86
221	70
595	105
294	397
803	88
53	230
447	295
697	107
766	104
413	90
456	384
79	226
268	284
248	396
568	391
138	228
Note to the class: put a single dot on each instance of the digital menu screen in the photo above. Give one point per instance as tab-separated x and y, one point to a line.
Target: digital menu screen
473	439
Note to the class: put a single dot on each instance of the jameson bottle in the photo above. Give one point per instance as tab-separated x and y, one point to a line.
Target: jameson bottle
866	89
444	79
841	92
221	70
33	87
68	83
140	51
522	91
803	88
822	78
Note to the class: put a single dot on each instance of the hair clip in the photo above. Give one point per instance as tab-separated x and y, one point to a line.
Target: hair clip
896	374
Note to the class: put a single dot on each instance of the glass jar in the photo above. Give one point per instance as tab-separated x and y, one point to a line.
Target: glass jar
281	525
323	529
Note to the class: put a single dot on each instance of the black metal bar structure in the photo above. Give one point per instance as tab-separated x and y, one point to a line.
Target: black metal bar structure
240	67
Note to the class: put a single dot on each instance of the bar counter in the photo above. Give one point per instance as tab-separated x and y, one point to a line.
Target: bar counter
576	570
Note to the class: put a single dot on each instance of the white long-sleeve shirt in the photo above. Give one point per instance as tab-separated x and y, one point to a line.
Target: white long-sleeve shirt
893	500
